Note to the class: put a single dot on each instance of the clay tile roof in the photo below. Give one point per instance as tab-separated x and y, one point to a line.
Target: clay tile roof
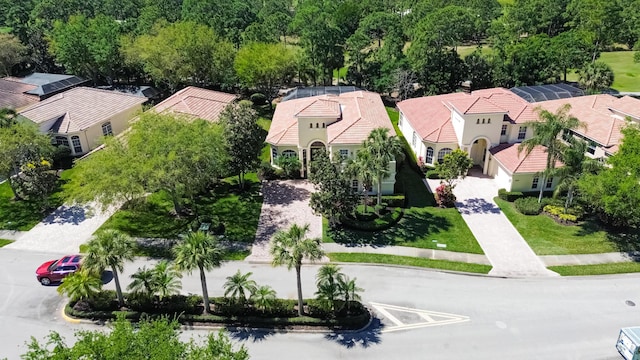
628	106
360	112
475	105
599	113
12	94
430	116
196	102
80	108
507	155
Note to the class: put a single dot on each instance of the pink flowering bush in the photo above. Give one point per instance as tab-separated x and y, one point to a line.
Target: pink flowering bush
444	196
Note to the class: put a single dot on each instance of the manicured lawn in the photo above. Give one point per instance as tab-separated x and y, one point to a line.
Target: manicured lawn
265	154
546	237
239	211
464	51
626	71
599	269
422	226
394	115
21	215
409	261
4	242
340	74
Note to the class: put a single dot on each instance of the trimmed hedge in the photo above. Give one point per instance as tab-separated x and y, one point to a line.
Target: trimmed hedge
528	206
386	221
395	200
189	310
432	174
509	196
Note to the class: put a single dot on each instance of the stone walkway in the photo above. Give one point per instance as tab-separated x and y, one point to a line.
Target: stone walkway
64	230
286	202
503	245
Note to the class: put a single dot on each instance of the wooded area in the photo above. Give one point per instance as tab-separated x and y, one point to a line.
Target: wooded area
383	43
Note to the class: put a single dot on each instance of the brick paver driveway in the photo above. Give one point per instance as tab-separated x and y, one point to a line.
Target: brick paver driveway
286	202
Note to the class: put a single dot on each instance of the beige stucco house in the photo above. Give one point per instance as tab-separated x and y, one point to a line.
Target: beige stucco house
489	124
483	124
338	124
80	117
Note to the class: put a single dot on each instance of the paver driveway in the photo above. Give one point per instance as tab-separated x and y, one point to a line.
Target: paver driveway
507	251
286	202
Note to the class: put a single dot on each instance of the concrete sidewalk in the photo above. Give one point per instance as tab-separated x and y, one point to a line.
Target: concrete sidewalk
503	245
11	234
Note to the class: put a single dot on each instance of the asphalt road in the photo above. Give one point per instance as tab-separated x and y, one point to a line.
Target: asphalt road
462	317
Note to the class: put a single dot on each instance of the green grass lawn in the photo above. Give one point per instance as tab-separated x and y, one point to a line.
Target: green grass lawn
265	154
546	237
394	115
423	225
5	30
4	242
626	71
464	51
409	261
599	269
340	74
239	211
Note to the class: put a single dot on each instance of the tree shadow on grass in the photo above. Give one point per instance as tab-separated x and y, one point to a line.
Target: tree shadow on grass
151	218
627	240
416	225
363	338
249	334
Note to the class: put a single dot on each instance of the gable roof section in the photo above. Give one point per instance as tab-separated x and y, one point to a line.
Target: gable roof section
360	112
13	94
196	103
80	108
599	113
430	116
507	155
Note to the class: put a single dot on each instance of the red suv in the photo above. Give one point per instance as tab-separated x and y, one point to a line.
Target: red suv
56	270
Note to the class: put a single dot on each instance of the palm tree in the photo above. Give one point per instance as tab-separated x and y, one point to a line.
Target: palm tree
575	165
80	285
166	280
362	168
238	285
290	247
201	251
350	291
382	149
263	297
328	280
596	76
142	282
547	133
110	248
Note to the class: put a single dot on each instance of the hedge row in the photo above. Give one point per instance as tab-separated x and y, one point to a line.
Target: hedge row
386	221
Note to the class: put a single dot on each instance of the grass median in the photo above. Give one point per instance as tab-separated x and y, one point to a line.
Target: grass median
409	261
597	269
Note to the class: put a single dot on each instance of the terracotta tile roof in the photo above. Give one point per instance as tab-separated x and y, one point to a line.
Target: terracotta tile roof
12	94
507	155
196	102
430	116
80	108
361	112
602	124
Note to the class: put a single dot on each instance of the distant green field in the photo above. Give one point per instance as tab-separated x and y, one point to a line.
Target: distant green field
506	2
626	72
4	29
464	51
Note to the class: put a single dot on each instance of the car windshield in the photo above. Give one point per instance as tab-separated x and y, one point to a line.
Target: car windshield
53	265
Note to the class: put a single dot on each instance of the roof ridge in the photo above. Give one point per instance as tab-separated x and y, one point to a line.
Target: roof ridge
100	90
610	132
39	104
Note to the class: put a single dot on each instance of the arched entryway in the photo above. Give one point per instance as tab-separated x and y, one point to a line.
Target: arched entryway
315	147
479	154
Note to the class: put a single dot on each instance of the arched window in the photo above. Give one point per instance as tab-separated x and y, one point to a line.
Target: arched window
317	125
442	153
77	146
310	125
62	140
106	129
429	157
289	153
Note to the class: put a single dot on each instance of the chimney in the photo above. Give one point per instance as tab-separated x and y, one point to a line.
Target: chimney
465	87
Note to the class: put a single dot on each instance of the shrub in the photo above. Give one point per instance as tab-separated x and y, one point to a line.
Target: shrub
444	196
374	224
509	196
266	171
528	206
258	99
432	174
568	217
394	200
572	215
290	166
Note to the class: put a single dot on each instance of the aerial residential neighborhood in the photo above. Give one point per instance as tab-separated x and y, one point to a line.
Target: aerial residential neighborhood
319	179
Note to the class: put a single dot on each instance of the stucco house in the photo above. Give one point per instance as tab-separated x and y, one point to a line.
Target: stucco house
477	123
489	124
196	102
337	123
79	117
